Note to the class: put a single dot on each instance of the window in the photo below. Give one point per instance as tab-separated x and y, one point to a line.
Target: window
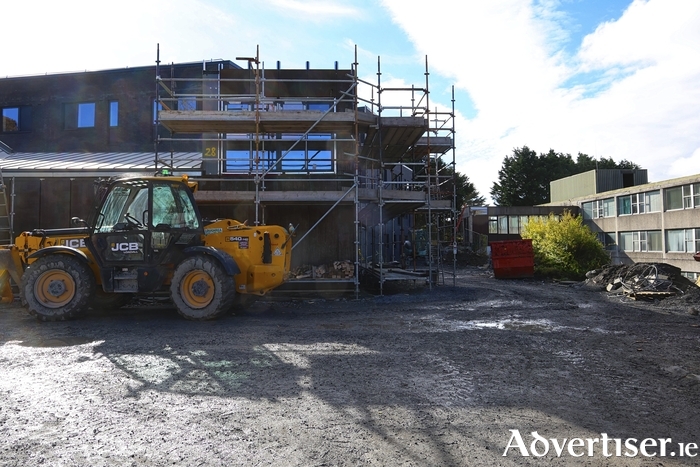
641	241
493	225
674	198
599	208
187	103
86	115
639	203
693	276
10	119
683	197
157	107
312	153
683	240
607	239
15	119
513	224
113	113
502	224
652	201
81	115
624	205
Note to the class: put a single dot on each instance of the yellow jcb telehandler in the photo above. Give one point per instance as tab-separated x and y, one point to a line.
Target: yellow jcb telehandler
145	236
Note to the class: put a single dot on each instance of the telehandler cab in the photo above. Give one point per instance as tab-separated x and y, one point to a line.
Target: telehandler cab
145	236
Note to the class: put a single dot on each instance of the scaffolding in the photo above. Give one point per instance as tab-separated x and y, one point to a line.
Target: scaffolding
317	139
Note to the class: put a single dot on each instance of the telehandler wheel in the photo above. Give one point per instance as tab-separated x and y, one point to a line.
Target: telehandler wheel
201	289
57	287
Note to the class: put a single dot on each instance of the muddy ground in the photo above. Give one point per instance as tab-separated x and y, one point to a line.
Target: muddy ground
425	378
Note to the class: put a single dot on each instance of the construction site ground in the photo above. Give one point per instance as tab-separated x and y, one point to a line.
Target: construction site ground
420	377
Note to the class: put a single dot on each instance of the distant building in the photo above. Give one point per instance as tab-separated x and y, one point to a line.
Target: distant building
650	222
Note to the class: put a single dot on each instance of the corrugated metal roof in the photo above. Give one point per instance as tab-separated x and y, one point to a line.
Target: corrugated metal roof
96	161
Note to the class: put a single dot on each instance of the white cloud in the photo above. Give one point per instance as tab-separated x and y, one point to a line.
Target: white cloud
508	56
317	11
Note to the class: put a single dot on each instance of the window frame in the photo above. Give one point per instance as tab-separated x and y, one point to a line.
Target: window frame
113	114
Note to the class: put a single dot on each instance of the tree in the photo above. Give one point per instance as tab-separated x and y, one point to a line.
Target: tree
564	248
522	180
467	193
524	177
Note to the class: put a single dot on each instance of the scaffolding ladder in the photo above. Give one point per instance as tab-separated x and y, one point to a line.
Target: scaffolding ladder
5	220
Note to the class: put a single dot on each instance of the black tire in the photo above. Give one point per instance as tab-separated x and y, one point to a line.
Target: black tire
201	289
57	287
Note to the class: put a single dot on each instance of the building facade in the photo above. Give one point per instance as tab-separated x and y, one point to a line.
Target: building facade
652	222
300	147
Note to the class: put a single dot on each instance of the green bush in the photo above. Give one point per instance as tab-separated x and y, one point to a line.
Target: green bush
564	248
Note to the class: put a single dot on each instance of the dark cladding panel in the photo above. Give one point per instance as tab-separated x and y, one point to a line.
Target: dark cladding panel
55	203
27	196
82	197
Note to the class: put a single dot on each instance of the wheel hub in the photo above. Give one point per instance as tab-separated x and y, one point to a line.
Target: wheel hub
56	288
200	288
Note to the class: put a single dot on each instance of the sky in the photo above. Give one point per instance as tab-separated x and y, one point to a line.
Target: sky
609	78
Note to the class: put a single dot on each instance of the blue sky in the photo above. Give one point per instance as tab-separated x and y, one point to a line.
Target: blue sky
609	78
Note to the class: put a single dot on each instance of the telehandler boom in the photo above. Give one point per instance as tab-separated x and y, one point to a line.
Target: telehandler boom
145	236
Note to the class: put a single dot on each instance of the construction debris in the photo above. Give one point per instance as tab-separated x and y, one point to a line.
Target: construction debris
334	270
645	281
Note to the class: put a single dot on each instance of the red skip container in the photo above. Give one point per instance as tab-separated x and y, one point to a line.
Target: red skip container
512	259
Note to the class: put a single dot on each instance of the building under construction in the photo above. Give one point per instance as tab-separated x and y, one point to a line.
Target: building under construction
357	168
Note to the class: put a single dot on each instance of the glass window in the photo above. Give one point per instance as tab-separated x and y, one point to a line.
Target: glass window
319	106
687	196
493	225
624	205
513	225
696	195
523	221
675	240
10	119
626	241
86	115
609	240
609	207
187	103
238	161
502	224
674	198
653	201
113	113
587	210
157	107
292	106
692	240
654	241
637	203
124	200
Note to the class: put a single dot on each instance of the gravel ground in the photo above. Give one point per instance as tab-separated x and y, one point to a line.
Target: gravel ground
426	378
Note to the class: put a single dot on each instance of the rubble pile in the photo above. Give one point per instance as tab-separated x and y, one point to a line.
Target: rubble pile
334	270
646	281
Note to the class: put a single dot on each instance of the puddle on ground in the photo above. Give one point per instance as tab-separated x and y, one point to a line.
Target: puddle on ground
56	342
508	324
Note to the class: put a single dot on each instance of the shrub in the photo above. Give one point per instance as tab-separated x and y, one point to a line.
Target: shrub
564	248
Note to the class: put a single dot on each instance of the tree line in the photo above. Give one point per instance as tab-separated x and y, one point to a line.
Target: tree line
525	176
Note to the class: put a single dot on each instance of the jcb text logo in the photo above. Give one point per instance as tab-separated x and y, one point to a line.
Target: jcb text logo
74	242
125	247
